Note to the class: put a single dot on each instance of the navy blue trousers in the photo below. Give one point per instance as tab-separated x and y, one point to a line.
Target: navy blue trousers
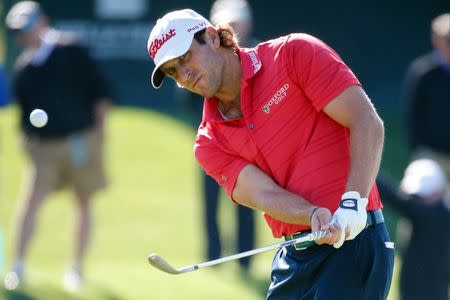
361	269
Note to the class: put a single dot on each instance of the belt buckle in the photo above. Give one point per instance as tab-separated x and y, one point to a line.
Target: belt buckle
302	245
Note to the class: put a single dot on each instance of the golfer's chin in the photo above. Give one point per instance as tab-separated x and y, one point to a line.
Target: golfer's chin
204	92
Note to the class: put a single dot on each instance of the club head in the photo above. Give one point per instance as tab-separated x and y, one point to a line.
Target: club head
158	262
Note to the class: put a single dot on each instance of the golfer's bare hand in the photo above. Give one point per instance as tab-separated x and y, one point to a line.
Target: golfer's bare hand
320	221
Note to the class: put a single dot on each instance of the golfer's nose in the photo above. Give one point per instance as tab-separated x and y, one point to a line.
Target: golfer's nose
185	75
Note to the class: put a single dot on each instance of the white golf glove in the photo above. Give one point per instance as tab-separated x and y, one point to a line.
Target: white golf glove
351	213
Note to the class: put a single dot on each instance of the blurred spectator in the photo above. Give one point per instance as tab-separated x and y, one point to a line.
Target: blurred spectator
56	74
238	14
424	199
4	93
427	93
4	100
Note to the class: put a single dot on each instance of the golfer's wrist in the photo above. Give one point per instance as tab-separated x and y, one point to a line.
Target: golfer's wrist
349	200
312	212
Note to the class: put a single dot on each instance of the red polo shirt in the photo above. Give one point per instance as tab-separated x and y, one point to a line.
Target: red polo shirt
285	84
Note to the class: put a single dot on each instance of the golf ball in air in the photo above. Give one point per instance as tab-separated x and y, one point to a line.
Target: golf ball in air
38	118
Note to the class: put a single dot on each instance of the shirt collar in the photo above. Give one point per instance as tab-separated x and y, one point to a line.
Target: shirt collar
250	62
210	111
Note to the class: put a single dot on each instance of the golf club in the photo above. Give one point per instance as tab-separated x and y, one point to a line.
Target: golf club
158	262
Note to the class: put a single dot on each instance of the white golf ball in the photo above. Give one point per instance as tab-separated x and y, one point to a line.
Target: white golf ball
11	281
38	118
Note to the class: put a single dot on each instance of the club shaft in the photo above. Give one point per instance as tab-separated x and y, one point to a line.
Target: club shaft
310	237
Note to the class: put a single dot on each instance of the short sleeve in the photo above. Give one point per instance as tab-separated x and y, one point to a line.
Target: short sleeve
223	166
317	69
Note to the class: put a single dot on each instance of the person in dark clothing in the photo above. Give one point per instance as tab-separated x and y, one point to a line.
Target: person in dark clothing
56	74
427	98
422	198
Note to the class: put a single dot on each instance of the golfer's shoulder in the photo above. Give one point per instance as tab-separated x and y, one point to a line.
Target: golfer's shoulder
292	44
296	38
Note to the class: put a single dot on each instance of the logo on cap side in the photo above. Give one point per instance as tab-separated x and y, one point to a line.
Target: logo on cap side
197	27
157	43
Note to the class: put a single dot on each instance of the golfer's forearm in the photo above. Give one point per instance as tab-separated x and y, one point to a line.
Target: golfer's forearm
366	146
257	190
286	207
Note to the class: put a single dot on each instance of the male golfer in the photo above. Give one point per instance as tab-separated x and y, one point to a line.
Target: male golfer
288	130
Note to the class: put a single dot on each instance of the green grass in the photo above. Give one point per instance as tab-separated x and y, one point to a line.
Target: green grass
152	205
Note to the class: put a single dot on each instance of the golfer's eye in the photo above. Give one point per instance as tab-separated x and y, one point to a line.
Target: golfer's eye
171	71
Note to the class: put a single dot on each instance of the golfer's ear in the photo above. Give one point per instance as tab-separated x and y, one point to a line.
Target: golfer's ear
212	36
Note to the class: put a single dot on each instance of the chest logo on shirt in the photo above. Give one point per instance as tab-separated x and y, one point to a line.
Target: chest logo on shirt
276	98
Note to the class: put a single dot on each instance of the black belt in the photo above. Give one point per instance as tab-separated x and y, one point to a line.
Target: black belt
374	217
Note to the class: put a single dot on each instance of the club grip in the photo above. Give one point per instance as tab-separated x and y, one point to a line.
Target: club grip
314	236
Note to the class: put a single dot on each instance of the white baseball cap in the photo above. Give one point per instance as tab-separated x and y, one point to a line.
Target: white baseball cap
424	177
172	37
